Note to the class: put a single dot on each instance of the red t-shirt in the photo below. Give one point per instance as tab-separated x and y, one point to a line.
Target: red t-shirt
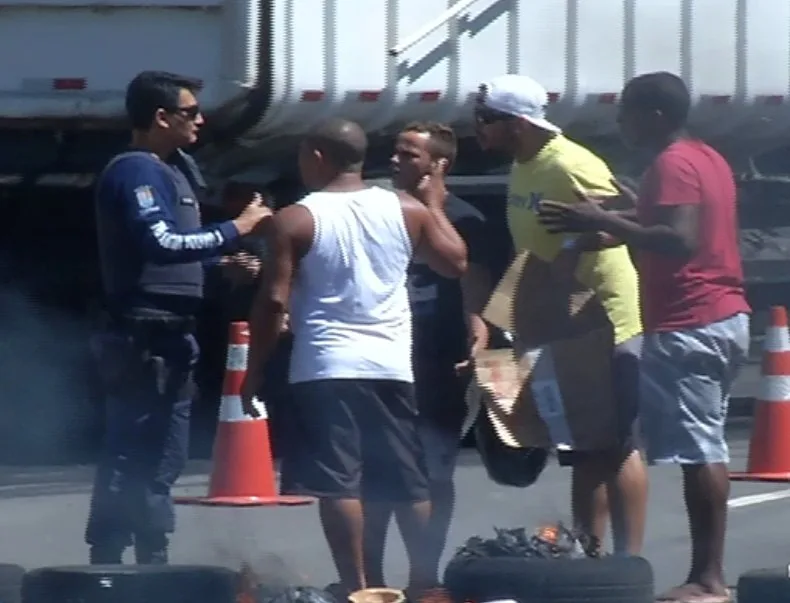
683	294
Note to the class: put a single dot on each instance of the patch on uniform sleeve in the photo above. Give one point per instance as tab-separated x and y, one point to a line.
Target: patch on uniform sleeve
145	196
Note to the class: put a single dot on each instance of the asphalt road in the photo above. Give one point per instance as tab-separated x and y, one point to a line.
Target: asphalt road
42	513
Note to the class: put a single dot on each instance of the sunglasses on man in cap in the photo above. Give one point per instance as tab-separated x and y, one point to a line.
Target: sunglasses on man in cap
486	116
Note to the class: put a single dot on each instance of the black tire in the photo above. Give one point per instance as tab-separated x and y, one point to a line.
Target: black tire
761	586
606	580
11	582
130	584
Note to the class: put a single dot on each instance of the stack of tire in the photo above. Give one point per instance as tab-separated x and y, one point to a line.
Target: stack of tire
483	580
765	585
129	584
604	580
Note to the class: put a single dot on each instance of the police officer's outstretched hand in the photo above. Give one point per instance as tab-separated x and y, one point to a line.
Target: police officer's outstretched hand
252	215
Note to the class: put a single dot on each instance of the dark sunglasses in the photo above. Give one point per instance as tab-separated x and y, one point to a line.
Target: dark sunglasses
190	112
486	116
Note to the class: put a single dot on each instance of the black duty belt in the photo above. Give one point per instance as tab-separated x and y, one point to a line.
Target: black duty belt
145	324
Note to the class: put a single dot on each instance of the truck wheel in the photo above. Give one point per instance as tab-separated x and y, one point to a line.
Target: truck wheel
11	582
130	584
605	580
762	585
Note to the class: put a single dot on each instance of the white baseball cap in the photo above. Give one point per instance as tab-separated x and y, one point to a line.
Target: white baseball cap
518	95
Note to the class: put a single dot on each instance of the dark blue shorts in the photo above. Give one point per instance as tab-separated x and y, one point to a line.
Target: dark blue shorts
442	405
354	438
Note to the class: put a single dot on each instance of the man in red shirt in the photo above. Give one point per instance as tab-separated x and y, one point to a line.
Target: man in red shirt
684	229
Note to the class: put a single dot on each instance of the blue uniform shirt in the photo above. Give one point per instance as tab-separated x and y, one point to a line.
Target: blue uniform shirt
151	243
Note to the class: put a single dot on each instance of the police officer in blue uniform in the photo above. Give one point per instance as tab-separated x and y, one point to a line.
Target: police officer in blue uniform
152	250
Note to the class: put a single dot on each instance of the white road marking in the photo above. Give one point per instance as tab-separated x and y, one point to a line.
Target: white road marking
30	486
186	481
756	499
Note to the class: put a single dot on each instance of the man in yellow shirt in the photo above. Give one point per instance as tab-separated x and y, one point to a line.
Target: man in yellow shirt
510	117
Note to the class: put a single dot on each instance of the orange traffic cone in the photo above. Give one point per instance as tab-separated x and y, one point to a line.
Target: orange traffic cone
769	449
243	471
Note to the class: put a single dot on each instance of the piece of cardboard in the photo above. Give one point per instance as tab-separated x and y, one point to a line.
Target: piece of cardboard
496	386
539	302
554	388
567	384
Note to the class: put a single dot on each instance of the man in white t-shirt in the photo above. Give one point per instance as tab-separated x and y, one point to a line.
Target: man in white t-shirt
339	263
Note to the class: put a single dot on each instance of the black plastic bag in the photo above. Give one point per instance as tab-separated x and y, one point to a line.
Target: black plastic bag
552	542
506	466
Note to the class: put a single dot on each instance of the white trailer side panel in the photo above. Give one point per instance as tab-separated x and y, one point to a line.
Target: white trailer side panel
330	57
72	59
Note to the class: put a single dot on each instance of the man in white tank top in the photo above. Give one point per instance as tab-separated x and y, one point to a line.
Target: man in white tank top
340	261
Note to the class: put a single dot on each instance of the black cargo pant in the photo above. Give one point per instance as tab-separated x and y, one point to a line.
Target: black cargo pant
147	371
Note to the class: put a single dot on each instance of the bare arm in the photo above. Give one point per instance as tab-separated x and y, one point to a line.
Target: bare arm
628	214
434	238
672	191
623	207
290	230
673	195
476	286
590	241
674	231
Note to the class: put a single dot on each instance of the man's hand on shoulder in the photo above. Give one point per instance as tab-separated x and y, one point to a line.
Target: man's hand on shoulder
252	215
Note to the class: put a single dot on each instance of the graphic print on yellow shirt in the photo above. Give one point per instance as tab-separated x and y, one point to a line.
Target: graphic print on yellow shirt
553	174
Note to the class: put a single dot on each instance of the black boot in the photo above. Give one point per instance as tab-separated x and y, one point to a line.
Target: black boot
151	549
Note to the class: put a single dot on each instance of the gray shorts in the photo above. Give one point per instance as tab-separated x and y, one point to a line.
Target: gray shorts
687	377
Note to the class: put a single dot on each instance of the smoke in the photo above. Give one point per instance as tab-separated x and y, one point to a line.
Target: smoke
230	538
48	412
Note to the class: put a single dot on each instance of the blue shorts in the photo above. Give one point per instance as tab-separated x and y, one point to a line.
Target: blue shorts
441	399
354	439
687	377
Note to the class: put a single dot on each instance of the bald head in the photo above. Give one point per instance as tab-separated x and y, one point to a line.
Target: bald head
342	142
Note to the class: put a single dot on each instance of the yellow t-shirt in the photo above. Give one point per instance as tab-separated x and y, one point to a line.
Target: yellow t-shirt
553	174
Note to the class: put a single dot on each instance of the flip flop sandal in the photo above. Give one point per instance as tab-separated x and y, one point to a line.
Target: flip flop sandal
706	598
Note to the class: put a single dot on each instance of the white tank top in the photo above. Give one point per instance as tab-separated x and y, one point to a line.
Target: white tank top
349	305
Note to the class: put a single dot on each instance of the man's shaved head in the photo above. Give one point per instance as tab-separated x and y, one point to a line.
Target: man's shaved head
342	142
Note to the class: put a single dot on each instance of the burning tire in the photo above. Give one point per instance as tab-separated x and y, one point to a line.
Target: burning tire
11	582
765	585
130	584
605	580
